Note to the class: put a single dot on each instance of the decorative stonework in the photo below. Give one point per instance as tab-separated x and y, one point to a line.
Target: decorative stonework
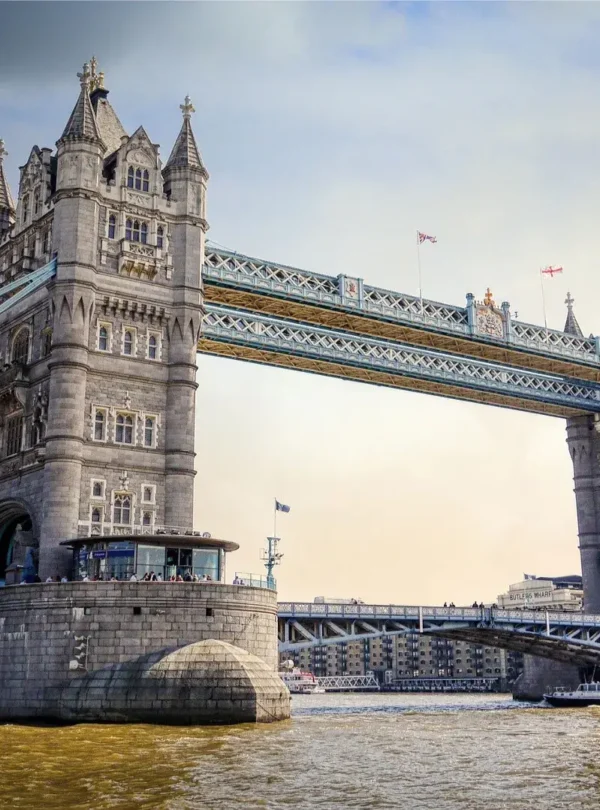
489	320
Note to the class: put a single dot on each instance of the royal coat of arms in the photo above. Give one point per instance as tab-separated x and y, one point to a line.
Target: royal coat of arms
488	319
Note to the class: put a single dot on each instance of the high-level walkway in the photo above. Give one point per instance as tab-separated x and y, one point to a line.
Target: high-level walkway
567	636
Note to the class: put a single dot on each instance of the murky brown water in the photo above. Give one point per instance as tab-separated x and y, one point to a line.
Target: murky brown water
339	752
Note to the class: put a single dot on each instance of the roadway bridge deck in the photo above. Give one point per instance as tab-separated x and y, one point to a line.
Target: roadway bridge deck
562	636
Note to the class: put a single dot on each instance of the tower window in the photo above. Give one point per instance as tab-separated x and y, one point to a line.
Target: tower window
46	242
103	339
148	494
96	515
130	177
122	510
20	352
124	429
100	425
153	347
160	236
36	202
146	181
136	231
98	489
128	343
112	226
147	519
14	434
144	233
25	207
138	179
128	229
149	431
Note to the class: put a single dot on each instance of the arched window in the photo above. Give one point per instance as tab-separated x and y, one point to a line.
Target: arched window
25	207
36	201
128	229
149	431
103	339
152	347
160	236
46	242
97	489
147	519
136	230
130	177
146	181
122	510
128	342
112	226
20	349
144	233
95	515
148	494
124	429
100	426
138	179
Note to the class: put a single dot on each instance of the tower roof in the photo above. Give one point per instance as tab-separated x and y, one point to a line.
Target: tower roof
571	325
185	153
111	130
82	122
6	200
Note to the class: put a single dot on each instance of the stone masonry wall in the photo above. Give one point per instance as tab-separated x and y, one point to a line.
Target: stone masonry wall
50	633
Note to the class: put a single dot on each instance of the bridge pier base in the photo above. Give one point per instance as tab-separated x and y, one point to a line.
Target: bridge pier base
539	674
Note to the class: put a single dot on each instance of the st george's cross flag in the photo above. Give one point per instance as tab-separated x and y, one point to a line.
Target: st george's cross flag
281	507
422	237
551	271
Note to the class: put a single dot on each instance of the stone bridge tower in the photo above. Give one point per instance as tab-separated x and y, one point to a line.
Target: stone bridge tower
98	371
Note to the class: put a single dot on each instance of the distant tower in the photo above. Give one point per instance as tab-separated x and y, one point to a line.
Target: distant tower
97	399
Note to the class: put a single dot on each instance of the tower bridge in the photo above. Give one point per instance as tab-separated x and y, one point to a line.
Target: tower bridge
108	292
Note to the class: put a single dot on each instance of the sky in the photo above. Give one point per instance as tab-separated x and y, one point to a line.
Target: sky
332	132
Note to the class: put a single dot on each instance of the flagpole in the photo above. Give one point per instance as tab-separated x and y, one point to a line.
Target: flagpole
275	518
419	267
543	301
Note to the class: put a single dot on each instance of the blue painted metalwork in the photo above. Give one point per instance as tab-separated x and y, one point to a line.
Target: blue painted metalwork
234	327
26	284
244	273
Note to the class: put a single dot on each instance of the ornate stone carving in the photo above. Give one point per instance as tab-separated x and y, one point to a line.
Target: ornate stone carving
488	319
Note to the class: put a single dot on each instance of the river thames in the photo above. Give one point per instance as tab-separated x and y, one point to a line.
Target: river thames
421	752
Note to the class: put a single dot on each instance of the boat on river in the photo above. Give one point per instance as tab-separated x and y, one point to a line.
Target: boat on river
301	683
586	694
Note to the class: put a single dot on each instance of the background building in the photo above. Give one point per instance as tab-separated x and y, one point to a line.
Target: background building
548	593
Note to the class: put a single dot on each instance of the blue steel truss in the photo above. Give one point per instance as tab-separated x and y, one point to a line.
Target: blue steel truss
24	285
562	636
245	329
237	271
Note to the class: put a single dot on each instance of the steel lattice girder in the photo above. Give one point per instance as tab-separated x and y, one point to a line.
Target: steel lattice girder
232	279
241	334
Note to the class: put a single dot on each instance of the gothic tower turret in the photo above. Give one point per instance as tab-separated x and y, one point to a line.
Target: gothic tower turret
7	206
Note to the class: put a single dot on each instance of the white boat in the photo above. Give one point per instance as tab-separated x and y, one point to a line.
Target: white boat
301	683
586	694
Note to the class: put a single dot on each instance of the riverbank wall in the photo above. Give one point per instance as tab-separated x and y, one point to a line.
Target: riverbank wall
54	633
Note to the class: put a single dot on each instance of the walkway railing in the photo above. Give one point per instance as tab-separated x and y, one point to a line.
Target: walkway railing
255	581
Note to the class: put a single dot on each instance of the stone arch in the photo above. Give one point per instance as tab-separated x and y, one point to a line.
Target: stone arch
21	345
18	536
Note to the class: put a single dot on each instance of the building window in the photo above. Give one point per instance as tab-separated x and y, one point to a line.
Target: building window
36	202
147	519
148	493
138	179
14	434
104	338
46	242
160	236
25	207
149	431
146	181
100	425
128	342
130	177
128	229
112	226
97	489
124	429
136	231
20	351
153	347
122	510
144	233
96	515
46	342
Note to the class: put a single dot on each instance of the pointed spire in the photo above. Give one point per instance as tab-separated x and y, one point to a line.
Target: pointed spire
6	200
185	153
571	325
82	122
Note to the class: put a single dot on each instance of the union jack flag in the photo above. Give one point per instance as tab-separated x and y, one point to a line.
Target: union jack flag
422	237
551	271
